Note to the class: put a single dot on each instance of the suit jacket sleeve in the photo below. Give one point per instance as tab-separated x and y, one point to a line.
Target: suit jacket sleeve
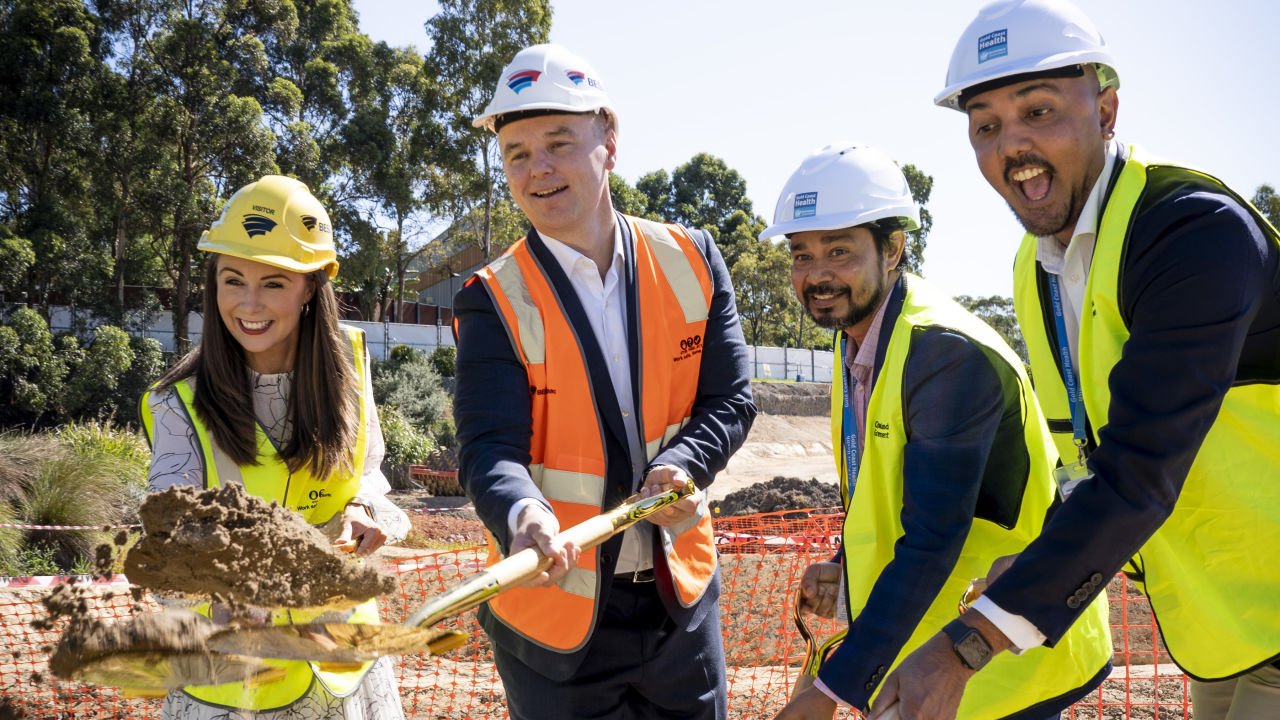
492	411
953	404
722	410
1197	272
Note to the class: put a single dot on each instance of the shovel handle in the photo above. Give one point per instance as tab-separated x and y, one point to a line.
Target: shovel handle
523	566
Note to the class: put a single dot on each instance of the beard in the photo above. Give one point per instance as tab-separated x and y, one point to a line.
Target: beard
1048	221
857	311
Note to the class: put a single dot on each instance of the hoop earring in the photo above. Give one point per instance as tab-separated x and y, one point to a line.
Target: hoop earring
306	309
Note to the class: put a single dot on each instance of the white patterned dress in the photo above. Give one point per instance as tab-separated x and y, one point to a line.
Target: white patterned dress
176	460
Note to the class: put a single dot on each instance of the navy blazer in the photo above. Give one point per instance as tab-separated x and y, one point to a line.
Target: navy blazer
1200	295
493	411
965	457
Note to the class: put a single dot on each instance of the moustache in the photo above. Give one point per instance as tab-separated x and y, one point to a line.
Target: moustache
823	289
1013	164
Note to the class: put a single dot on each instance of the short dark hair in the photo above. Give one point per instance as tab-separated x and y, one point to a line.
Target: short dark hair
882	230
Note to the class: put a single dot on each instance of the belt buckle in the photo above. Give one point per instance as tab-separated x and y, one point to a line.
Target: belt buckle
643	576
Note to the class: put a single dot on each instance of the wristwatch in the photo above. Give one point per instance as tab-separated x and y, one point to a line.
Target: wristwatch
973	649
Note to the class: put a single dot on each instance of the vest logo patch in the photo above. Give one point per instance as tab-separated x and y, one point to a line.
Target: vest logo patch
317	494
881	430
535	390
806	205
993	45
689	347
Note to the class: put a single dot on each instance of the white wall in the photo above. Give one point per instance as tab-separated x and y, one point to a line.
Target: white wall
768	363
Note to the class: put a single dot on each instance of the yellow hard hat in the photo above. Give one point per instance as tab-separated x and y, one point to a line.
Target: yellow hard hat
276	221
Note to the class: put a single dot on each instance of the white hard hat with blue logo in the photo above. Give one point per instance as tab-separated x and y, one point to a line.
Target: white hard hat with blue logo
841	186
1014	38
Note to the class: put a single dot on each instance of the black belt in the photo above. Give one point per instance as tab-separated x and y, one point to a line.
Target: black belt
639	576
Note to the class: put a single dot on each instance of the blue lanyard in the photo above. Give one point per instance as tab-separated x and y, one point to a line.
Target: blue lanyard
850	432
1068	370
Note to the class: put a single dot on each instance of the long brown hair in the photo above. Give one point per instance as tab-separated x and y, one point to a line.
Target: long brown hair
324	398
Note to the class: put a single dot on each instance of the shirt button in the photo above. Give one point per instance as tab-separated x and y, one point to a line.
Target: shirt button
626	413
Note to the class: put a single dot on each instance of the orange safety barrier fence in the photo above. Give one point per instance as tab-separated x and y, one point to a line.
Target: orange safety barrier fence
762	556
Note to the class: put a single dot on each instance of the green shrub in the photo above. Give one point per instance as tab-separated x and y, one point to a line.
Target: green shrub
413	388
91	474
405	445
31	373
402	354
122	449
445	360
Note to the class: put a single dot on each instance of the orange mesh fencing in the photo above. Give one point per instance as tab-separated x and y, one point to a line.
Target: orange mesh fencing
762	556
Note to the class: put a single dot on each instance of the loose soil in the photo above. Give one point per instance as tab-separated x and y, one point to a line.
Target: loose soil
235	548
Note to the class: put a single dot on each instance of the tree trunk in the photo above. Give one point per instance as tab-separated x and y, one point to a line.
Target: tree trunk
488	204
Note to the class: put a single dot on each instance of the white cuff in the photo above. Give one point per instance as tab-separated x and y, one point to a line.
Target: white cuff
1018	629
827	691
514	513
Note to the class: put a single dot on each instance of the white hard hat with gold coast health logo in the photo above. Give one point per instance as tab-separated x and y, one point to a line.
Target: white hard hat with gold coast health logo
276	221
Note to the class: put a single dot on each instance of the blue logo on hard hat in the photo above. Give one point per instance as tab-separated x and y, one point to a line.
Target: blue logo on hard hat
257	225
806	205
523	79
577	76
993	45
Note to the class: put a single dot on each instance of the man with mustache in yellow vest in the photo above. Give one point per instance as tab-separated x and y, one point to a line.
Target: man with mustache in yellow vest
600	356
1149	297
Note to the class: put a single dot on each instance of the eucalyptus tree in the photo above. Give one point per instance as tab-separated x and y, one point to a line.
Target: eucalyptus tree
472	40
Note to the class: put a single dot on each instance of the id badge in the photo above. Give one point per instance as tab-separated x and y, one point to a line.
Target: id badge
1068	477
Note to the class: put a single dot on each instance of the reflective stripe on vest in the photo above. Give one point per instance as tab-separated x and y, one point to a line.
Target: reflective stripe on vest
873	521
1213	589
568	460
317	501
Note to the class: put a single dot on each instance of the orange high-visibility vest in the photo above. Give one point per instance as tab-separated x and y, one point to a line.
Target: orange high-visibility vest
567	457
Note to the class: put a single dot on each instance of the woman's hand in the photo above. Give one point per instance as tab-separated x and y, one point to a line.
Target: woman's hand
358	525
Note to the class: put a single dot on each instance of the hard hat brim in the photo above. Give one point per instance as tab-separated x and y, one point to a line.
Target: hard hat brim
839	221
950	96
330	267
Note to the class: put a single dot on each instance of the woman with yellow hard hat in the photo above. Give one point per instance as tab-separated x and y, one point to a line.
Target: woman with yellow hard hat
277	397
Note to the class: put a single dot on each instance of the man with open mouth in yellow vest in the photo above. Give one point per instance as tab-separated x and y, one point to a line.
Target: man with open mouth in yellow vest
1149	297
944	459
600	356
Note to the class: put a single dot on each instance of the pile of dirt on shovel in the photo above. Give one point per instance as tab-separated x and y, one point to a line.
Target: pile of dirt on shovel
235	548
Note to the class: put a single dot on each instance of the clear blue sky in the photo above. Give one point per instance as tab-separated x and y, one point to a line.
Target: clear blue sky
761	83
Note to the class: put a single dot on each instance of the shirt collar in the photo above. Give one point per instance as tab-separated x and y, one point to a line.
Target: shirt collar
864	356
570	257
1050	252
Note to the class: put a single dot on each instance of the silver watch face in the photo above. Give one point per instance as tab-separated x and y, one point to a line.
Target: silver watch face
973	650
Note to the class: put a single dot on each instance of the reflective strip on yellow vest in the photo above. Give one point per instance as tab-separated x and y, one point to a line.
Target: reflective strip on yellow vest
317	500
1212	588
873	521
568	459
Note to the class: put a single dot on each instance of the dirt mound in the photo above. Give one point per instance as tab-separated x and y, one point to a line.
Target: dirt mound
780	493
792	398
229	545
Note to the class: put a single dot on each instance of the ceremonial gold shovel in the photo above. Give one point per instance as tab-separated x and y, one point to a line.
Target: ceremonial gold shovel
339	643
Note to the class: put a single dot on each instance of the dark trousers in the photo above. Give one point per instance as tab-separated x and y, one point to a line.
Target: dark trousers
638	666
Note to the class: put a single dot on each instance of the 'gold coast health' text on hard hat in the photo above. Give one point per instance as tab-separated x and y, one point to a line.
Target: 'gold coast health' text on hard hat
1012	38
276	221
543	80
841	186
